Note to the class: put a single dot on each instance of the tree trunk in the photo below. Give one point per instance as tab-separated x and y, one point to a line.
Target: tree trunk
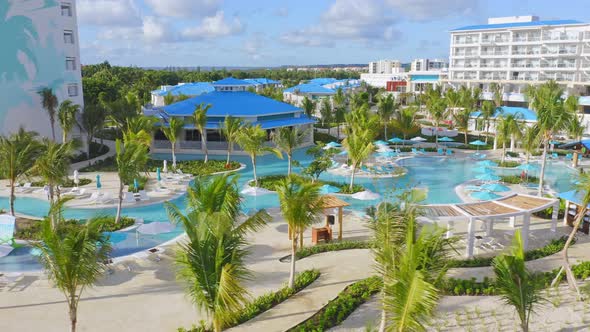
436	134
289	163
465	134
487	129
12	197
571	280
173	155
204	145
229	148
120	203
503	151
293	259
300	239
542	173
88	141
52	215
253	157
383	323
53	130
338	130
385	132
64	137
352	177
73	318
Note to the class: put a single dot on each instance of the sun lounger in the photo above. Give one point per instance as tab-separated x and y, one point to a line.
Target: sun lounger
449	152
25	188
106	198
128	197
440	151
143	196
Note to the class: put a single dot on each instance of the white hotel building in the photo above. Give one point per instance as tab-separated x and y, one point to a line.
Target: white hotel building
521	50
40	48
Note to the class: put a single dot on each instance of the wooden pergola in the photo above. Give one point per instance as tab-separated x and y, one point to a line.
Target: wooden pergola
333	202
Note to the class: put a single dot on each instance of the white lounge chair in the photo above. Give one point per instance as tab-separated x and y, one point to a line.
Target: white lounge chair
143	195
93	197
128	197
76	193
25	188
106	198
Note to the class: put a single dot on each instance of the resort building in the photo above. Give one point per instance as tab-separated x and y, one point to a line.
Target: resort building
385	67
383	71
521	50
40	49
181	89
229	98
261	83
319	88
429	65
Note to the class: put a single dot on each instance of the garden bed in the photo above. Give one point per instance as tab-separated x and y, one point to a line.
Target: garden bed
271	182
27	229
194	167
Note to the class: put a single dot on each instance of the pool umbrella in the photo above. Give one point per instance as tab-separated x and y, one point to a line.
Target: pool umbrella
255	191
98	184
484	195
487	163
446	139
135	184
528	167
495	187
165	167
387	154
158	175
418	139
332	145
156	227
483	169
366	195
478	143
488	177
116	237
328	189
396	140
380	142
342	153
76	178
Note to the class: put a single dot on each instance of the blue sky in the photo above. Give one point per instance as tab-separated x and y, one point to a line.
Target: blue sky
274	32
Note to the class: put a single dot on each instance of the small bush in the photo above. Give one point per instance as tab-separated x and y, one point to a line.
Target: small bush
507	163
516	179
194	167
66	184
333	246
323	137
270	182
33	231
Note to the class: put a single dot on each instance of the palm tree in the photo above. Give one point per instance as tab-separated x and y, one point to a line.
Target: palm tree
515	283
131	158
169	99
67	118
405	121
385	109
487	112
287	139
74	258
453	100
497	94
308	106
326	113
339	100
552	117
50	103
212	261
200	121
140	129
252	139
461	119
230	129
359	148
301	205
530	140
507	130
575	128
172	132
437	108
17	155
92	121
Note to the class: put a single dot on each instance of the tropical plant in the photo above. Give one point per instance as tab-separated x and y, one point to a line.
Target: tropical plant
50	103
200	122
385	109
172	132
437	108
17	155
92	120
308	106
515	284
497	94
507	130
230	128
131	158
576	129
287	139
322	160
169	99
140	129
488	112
461	119
359	148
453	101
212	260
405	121
252	139
326	113
301	205
530	140
67	118
74	258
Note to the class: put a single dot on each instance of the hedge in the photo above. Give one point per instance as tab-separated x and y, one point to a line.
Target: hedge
33	232
270	182
332	246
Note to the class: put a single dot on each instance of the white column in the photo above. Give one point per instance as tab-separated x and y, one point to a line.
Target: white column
526	220
450	226
567	211
511	143
489	227
512	222
470	238
554	216
495	142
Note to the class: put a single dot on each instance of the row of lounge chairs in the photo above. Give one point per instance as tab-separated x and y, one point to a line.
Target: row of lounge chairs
386	169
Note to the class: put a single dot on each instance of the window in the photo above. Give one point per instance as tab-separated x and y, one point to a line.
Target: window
73	89
68	36
66	9
70	63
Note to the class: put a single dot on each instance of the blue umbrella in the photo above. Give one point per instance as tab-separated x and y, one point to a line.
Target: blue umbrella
380	142
333	145
396	140
528	167
483	169
328	189
446	139
484	195
387	154
343	153
158	175
487	163
495	187
135	184
116	237
488	177
98	184
478	143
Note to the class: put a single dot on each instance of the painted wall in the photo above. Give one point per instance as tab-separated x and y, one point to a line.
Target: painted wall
33	55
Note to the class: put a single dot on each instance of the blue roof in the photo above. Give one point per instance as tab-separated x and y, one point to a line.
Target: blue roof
575	144
231	81
310	88
265	124
237	103
573	196
189	89
516	25
522	112
261	80
323	80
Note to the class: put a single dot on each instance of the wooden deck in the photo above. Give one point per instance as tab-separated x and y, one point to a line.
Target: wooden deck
438	211
526	202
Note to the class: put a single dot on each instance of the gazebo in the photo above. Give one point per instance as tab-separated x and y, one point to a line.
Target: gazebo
329	204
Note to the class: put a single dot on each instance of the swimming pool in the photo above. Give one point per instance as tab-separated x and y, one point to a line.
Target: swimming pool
439	175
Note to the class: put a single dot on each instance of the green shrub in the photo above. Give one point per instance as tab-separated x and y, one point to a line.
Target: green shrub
141	182
512	154
96	150
332	246
66	184
342	306
33	231
515	179
507	163
323	137
270	182
194	167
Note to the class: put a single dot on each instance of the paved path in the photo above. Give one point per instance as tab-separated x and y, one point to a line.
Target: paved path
110	153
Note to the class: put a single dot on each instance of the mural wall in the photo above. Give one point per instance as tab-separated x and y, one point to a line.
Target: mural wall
32	56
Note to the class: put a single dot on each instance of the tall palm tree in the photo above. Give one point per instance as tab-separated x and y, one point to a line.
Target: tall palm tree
453	101
552	117
212	261
67	118
230	128
497	94
17	155
252	139
301	205
200	121
359	148
575	128
169	99
488	112
515	283
405	121
131	158
308	106
172	132
140	129
74	258
50	103
339	100
437	108
92	121
287	139
385	109
507	130
530	140
326	113
461	119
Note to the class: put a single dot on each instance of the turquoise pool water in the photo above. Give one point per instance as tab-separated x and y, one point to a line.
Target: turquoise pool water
439	175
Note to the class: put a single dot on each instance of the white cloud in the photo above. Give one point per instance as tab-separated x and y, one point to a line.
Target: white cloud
214	26
184	8
156	30
108	13
422	10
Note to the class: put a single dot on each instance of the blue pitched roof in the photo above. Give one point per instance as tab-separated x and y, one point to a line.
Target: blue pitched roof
310	88
516	25
231	81
323	80
522	112
585	143
189	89
261	80
238	104
265	124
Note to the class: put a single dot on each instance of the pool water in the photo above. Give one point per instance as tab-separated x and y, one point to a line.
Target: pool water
438	174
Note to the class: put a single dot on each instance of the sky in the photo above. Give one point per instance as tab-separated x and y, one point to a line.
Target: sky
265	33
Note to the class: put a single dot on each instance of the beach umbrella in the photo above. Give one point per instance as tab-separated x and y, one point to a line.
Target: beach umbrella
158	175
487	163
446	139
528	167
328	189
380	142
98	184
165	167
342	153
156	227
418	139
255	191
477	143
483	169
366	195
135	184
495	187
488	177
332	145
116	237
484	195
396	140
76	177
387	154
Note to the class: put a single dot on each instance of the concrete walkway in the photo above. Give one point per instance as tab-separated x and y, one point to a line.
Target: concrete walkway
110	153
